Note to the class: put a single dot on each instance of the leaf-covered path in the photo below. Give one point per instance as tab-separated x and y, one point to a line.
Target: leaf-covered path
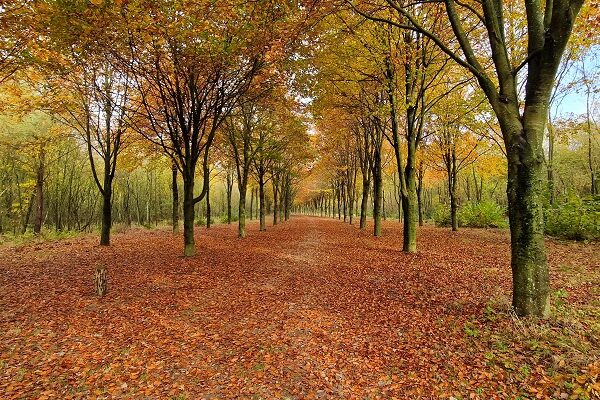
312	308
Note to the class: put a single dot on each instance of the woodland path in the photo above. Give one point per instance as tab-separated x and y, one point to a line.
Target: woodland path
312	308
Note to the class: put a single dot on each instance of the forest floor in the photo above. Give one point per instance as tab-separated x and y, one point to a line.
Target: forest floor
312	308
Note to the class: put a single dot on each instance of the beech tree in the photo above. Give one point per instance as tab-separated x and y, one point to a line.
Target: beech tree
521	118
187	85
241	132
90	92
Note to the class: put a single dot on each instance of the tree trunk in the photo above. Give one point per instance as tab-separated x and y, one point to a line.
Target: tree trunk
188	215
208	209
39	194
530	271
175	206
242	208
550	161
377	192
261	196
420	177
383	213
282	191
251	203
409	202
275	202
352	193
366	186
453	208
106	207
452	181
229	190
106	215
288	199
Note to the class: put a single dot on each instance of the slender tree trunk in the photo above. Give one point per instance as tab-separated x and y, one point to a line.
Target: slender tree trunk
175	195
251	203
275	202
261	198
344	201
229	190
288	198
453	203
39	194
420	193
550	161
353	193
128	204
243	183
208	209
366	186
282	196
377	193
383	212
452	181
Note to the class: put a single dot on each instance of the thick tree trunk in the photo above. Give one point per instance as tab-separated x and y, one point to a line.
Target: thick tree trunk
530	271
175	205
409	203
188	215
106	215
525	192
106	206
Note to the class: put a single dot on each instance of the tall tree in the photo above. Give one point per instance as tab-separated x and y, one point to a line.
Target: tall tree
522	120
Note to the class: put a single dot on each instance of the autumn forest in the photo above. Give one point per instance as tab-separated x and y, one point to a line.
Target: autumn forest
321	199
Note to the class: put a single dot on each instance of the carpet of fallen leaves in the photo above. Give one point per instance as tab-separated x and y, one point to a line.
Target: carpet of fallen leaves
312	308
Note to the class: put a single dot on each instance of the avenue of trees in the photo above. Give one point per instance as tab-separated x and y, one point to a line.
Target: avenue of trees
116	113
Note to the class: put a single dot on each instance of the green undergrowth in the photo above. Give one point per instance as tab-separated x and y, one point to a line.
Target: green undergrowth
485	214
574	219
555	358
30	237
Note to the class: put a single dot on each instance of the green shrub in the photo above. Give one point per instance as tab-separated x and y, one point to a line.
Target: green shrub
441	215
485	214
201	220
576	219
234	218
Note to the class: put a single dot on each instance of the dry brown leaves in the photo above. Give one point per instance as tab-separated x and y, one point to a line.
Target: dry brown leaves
311	309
